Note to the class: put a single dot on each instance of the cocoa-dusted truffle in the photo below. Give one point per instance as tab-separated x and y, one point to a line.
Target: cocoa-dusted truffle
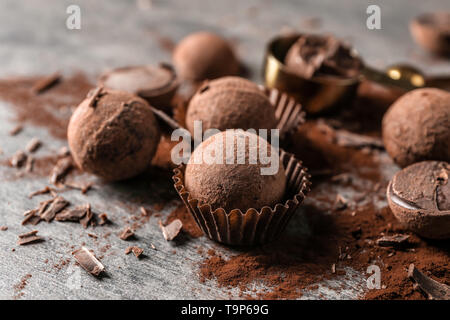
432	32
204	55
417	127
319	55
113	134
231	103
231	185
419	196
156	84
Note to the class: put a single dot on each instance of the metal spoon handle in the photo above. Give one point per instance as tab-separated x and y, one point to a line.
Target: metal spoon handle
390	79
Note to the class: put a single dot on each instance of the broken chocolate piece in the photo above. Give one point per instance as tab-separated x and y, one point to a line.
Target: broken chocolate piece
62	167
172	230
53	208
46	83
33	145
393	241
18	159
88	261
433	289
103	219
31	217
88	217
75	214
29	237
126	233
136	250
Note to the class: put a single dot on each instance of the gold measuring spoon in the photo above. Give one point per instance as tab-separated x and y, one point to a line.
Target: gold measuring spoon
321	93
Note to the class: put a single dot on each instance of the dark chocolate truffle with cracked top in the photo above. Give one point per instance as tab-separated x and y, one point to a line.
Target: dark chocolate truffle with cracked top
419	196
231	103
234	186
417	127
204	55
113	134
155	84
432	32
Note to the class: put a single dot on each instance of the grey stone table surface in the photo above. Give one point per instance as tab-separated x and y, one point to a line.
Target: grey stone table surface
34	40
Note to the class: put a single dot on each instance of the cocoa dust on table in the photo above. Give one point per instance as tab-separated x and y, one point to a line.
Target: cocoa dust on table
339	236
342	229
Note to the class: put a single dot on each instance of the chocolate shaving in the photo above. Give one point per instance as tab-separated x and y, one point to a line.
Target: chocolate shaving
103	219
88	261
144	212
340	203
392	241
31	217
172	230
29	164
75	214
46	83
136	250
3	228
53	208
45	190
29	237
33	145
61	169
63	152
346	138
87	217
433	289
83	188
126	233
94	95
16	130
18	159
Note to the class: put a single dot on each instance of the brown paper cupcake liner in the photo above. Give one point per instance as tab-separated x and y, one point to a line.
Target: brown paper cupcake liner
254	226
288	112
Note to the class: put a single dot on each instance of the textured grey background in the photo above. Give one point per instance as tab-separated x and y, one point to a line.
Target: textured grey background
34	40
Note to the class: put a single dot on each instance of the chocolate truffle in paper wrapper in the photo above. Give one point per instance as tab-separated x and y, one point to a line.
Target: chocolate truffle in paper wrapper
231	214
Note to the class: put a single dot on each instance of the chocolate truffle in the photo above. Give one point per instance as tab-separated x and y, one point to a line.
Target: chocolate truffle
417	127
231	103
319	55
204	55
419	196
231	185
157	85
113	134
432	32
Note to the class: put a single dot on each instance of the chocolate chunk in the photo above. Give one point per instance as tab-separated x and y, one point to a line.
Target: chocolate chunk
88	217
33	145
88	261
136	250
53	208
46	83
172	230
103	219
60	170
392	241
433	289
75	214
126	233
18	159
29	237
31	217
